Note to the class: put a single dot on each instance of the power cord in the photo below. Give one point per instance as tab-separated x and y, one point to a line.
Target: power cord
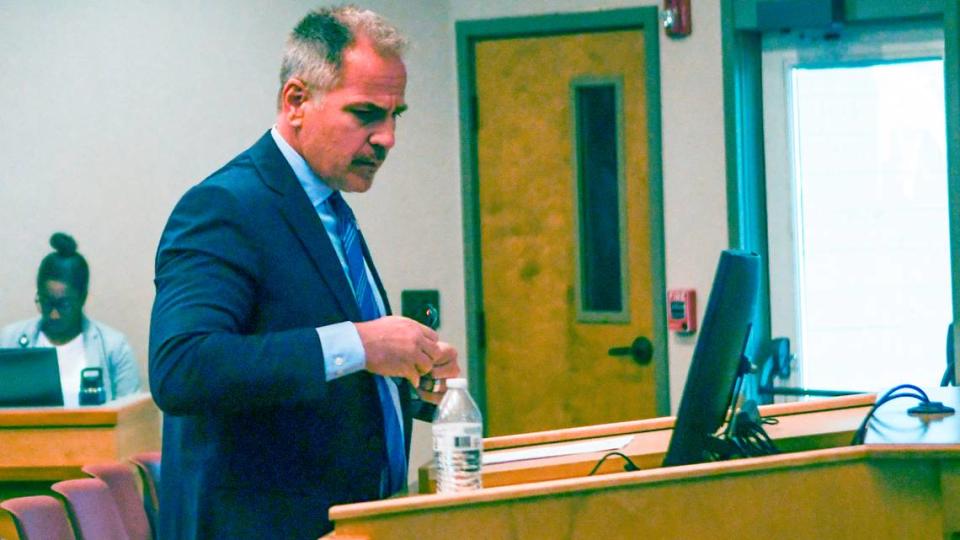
628	466
747	434
926	406
744	434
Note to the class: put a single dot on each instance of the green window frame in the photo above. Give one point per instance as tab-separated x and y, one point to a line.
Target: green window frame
742	23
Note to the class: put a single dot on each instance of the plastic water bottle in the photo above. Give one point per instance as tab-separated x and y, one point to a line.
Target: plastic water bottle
458	440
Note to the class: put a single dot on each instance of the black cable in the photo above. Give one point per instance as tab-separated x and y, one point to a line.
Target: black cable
878	422
628	466
890	395
746	434
738	383
754	439
861	432
766	441
949	376
882	428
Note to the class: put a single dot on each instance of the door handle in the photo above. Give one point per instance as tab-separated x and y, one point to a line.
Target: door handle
641	350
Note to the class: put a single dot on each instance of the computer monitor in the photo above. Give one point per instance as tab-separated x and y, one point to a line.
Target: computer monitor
726	324
30	377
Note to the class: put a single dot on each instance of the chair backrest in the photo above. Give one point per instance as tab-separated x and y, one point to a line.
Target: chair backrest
39	517
122	482
92	509
148	465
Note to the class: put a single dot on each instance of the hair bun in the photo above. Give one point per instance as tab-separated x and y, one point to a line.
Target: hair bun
64	244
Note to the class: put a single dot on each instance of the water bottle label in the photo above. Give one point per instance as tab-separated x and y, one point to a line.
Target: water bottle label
458	454
457	437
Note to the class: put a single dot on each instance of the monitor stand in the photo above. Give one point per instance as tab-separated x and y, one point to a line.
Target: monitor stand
743	435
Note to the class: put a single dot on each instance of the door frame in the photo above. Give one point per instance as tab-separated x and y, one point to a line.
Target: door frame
468	34
742	22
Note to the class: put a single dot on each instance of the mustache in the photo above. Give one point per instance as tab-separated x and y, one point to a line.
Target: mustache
377	156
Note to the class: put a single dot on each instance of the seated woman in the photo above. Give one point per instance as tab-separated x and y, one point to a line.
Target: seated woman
80	342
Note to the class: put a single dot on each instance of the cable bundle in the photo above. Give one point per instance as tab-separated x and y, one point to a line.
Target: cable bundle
746	435
926	407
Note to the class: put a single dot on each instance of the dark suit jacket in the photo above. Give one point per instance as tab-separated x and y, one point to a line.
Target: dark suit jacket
256	444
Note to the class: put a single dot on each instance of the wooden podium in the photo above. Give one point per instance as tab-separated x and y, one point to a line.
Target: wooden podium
42	445
903	483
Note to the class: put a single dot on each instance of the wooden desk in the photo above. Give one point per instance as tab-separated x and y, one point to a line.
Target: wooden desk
904	483
42	445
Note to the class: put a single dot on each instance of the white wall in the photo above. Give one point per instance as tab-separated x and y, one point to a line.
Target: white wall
110	109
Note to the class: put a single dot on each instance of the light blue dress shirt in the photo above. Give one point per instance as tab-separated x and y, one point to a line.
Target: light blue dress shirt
342	350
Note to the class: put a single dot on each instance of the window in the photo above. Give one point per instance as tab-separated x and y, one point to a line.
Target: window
601	266
855	149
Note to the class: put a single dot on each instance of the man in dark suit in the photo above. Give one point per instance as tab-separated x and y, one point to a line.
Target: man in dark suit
286	385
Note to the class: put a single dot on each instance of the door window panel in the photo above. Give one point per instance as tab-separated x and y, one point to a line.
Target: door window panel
600	264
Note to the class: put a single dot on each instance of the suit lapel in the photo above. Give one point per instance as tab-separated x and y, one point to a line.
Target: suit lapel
302	218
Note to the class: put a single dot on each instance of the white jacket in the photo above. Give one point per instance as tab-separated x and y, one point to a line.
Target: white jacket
103	347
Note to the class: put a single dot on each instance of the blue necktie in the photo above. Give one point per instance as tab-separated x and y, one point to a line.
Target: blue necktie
350	241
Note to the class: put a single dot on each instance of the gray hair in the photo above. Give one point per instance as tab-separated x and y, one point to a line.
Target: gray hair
314	50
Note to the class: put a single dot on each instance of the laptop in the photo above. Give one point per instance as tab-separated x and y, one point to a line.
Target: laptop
30	377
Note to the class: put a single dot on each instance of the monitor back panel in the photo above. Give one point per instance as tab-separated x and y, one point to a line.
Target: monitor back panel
30	378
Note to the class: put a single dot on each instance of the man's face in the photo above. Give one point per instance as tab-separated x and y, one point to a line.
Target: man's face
345	134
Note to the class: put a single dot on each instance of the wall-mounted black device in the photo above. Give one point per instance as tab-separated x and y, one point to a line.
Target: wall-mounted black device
421	305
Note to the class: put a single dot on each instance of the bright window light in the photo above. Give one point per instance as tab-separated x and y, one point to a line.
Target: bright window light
869	157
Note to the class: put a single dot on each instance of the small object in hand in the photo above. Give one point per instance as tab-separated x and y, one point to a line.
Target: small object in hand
430	316
429	384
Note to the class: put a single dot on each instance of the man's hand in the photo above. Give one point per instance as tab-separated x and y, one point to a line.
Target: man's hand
445	367
401	347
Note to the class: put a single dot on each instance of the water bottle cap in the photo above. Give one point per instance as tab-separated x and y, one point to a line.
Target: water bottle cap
457	383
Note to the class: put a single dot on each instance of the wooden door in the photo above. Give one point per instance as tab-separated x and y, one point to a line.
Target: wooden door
547	362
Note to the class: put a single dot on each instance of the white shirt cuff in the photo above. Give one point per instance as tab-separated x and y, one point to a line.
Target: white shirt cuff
343	352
